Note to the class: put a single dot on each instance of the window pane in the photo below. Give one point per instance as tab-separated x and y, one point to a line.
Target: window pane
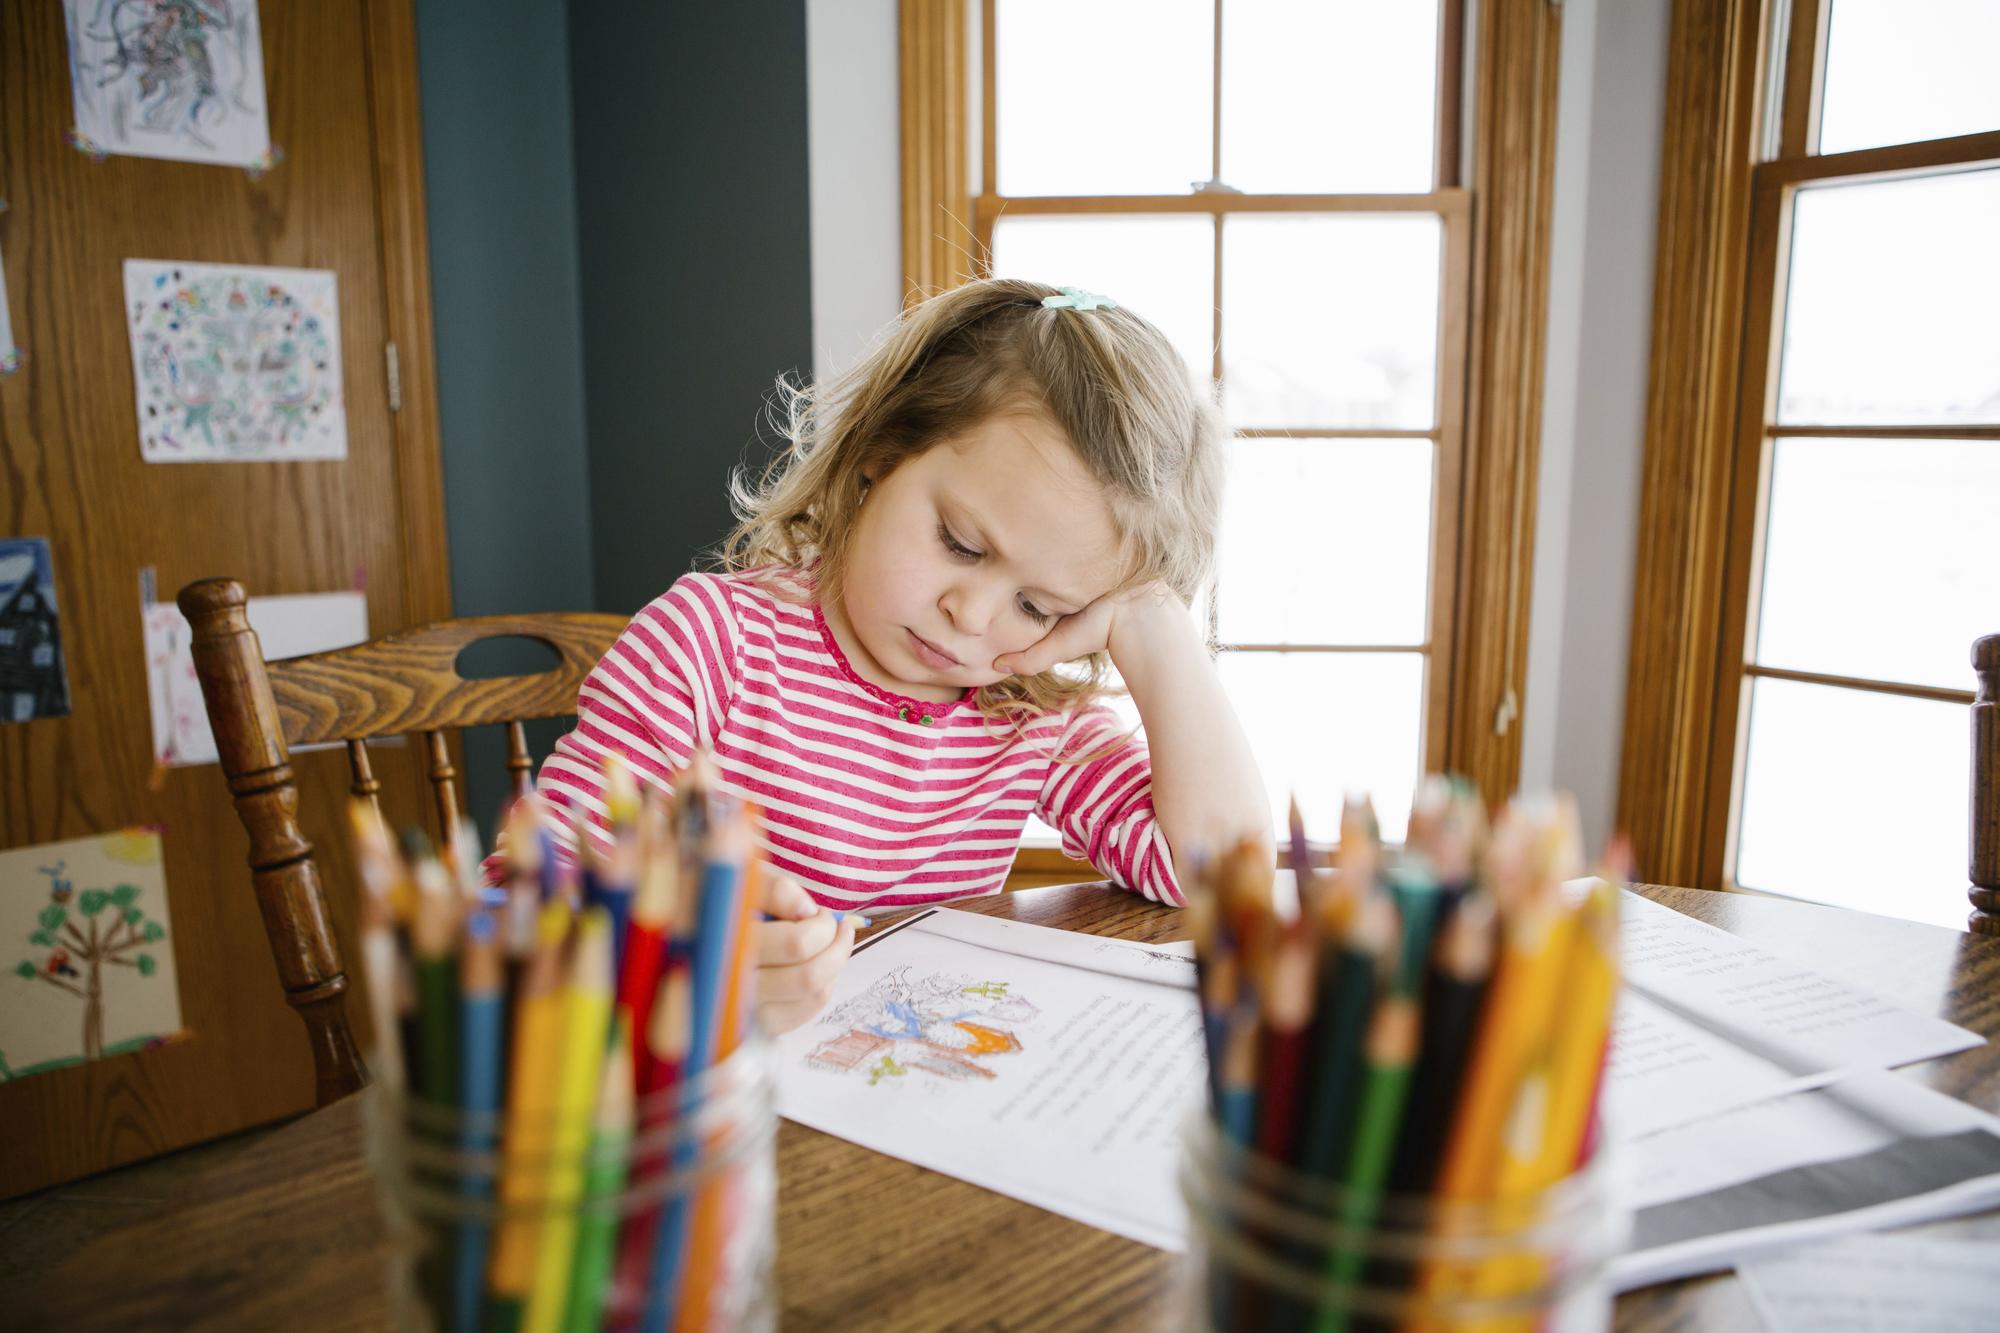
1893	309
1332	319
1324	724
1108	97
1856	799
1879	560
1902	70
1355	512
1162	268
1328	98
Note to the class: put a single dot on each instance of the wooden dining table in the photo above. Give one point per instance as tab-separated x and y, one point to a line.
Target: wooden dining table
280	1228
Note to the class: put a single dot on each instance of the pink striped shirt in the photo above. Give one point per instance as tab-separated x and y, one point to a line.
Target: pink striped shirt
867	796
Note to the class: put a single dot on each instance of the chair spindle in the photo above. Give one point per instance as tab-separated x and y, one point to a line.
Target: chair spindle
444	786
520	766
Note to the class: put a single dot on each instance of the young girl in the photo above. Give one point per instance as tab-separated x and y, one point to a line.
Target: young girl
1018	479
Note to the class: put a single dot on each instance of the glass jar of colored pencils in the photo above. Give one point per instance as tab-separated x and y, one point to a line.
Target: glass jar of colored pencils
1272	1248
653	1213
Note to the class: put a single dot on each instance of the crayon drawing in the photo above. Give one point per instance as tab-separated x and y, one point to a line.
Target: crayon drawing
33	681
180	79
94	968
948	1026
232	364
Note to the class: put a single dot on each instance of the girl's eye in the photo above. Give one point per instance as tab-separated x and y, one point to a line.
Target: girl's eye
1033	612
958	549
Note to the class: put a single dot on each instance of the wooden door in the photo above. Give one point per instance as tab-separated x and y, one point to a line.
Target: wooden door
341	88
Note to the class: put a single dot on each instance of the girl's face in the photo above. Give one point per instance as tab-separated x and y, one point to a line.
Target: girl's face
969	551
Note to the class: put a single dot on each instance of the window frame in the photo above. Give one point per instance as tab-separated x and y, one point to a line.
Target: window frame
1493	304
1740	144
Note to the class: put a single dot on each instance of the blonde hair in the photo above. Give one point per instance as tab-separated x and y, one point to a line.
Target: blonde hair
1108	379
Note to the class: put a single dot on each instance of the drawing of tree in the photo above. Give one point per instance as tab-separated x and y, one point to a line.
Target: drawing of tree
78	953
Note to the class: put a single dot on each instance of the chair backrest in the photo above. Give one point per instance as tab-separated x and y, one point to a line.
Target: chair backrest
1985	858
402	684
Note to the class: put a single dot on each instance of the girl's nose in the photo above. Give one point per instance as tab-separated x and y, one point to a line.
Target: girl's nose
968	609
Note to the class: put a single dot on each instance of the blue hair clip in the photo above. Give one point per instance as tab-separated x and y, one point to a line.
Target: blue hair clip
1076	298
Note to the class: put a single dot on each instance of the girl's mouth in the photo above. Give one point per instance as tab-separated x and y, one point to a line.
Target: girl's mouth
930	654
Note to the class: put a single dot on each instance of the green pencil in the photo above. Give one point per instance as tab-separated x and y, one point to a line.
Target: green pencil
1392	1052
433	935
603	1181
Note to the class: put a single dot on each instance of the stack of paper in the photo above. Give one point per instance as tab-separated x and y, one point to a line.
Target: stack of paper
1749	1093
1746	1093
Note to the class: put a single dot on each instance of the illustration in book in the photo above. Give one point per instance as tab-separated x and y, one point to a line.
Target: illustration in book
946	1025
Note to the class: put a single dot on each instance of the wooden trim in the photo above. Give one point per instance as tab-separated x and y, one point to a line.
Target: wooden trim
1805	44
1343	432
1419	648
1884	432
989	129
1935	693
1448	501
1038	867
1450	92
1961	152
1513	165
1679	601
931	39
406	283
1443	202
1215	110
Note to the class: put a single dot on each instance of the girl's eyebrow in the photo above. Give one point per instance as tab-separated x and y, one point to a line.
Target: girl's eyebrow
984	537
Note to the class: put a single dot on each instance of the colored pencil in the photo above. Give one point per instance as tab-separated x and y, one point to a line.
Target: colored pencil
603	1181
531	1103
381	872
586	1017
1392	1050
433	935
1347	1000
481	1037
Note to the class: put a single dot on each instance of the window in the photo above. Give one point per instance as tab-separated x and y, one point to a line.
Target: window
1869	457
1274	184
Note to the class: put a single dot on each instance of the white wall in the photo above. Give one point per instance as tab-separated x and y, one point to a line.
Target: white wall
1600	318
1613	82
853	161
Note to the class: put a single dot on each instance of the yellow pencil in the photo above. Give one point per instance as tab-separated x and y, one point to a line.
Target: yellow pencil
586	1019
531	1097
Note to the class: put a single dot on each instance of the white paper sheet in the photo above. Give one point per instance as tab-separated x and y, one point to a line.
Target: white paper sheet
1710	1022
10	355
1878	1284
1873	1150
286	627
957	1043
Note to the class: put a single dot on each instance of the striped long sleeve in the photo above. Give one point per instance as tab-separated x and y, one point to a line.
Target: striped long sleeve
868	797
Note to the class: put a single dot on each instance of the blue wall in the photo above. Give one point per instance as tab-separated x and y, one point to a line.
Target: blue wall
692	222
619	269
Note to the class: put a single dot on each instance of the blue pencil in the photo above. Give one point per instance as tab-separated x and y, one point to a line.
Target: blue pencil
726	850
480	1023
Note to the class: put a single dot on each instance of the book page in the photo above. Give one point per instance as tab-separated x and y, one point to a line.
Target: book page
958	1044
1877	1284
1785	1011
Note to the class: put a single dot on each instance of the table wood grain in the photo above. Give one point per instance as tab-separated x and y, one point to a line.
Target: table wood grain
279	1228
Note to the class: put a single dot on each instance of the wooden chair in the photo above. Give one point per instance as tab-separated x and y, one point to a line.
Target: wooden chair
1985	859
401	684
